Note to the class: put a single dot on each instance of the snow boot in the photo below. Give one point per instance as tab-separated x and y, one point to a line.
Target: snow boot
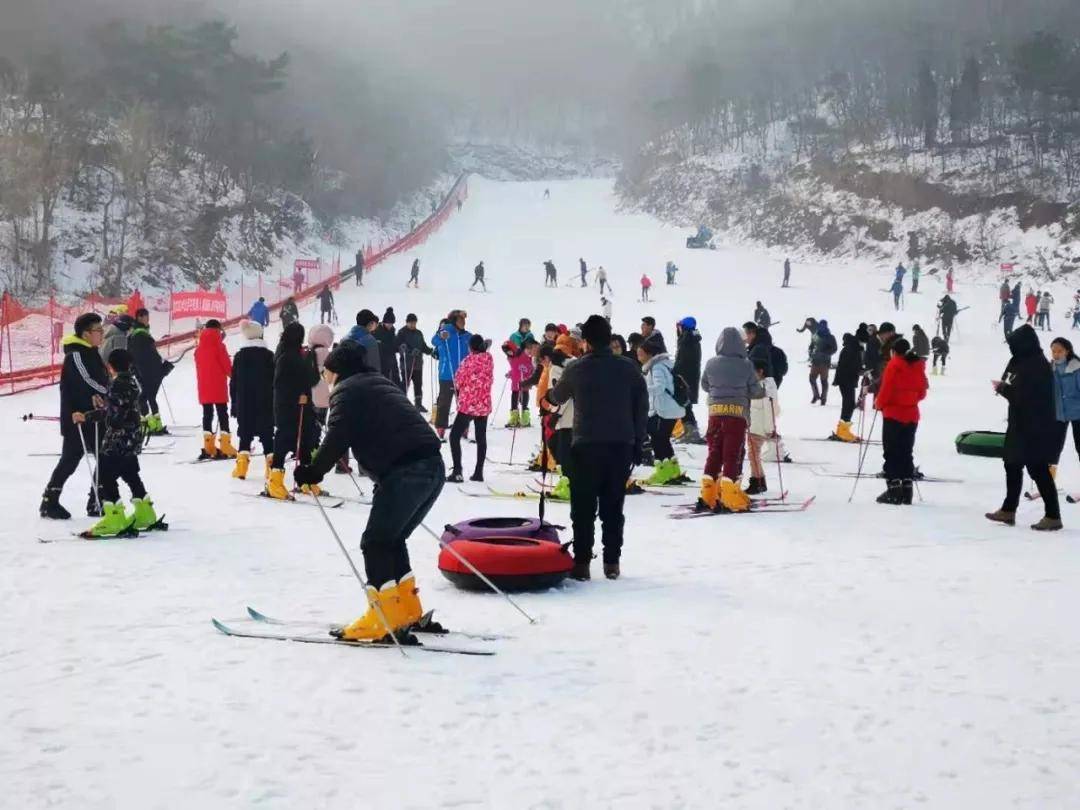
611	570
1053	472
209	447
311	489
633	487
112	523
843	432
678	431
515	420
409	597
678	477
580	571
477	476
143	515
275	486
732	498
455	477
757	486
243	461
1047	524
420	407
1002	516
907	491
662	473
225	447
526	418
709	497
154	425
561	491
50	505
94	503
370	626
893	494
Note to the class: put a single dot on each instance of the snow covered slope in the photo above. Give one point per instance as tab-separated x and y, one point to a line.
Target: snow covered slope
849	656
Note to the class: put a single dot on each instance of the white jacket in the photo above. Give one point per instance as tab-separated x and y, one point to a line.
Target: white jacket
763	411
566	410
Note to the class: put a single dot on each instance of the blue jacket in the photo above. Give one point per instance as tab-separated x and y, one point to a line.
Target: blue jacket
359	334
260	313
451	351
1067	390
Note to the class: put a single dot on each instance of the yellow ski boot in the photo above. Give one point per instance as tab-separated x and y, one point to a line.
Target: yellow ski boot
370	626
732	497
243	460
225	446
709	496
275	486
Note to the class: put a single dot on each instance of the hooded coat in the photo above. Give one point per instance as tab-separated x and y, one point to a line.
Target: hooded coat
849	364
452	350
521	366
212	368
1028	385
823	347
123	423
251	388
385	336
116	336
760	348
688	362
660	380
729	377
294	375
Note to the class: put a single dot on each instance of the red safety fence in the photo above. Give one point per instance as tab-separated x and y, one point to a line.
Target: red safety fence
30	336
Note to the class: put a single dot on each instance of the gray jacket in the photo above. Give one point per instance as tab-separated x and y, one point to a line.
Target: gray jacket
729	378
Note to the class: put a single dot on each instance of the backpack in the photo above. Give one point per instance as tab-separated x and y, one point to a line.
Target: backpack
779	363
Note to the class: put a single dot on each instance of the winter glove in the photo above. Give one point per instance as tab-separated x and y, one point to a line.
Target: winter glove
166	368
303	474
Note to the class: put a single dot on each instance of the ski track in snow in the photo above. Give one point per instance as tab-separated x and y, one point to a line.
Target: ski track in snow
849	656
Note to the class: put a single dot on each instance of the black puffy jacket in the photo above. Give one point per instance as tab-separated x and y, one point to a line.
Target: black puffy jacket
372	417
294	375
1031	435
251	387
611	402
761	349
149	367
849	363
123	421
688	362
384	336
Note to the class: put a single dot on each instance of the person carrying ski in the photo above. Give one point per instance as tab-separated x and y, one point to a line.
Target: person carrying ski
472	382
370	416
897	290
761	316
251	394
611	405
412	347
326	305
821	361
451	345
903	387
731	382
384	335
520	359
260	313
584	273
664	410
213	367
646	285
762	428
414	275
150	370
83	387
361	334
947	311
290	313
688	367
601	279
119	457
848	372
940	349
295	429
478	277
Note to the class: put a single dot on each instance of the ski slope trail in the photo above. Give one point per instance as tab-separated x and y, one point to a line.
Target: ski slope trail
847	656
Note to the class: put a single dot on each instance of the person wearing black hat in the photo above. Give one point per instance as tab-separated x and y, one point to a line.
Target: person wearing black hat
651	334
384	336
392	442
366	321
295	428
411	348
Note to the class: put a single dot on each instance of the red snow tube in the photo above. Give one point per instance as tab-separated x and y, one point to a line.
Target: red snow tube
480	528
512	563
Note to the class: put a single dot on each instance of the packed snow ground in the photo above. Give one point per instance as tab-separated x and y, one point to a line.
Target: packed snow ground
850	656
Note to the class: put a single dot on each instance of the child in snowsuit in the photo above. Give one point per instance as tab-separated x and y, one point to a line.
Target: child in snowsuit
763	413
251	391
295	429
119	457
521	369
473	382
212	370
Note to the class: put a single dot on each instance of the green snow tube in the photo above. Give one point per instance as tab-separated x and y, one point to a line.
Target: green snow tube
984	443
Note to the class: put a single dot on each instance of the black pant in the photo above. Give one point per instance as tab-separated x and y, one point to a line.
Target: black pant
148	400
943	357
604	284
914	285
246	433
442	405
660	435
559	448
519	399
898	447
285	439
479	281
946	329
1063	433
116	468
820	371
71	454
598	485
412	370
326	316
461	422
689	417
403	497
222	417
847	402
1040	474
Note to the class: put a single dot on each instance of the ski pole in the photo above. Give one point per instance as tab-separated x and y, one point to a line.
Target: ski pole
356	484
543	469
89	469
498	404
513	440
299	436
472	568
776	447
372	603
862	456
164	393
27	417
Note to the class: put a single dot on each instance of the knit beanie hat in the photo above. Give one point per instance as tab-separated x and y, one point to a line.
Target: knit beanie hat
388	316
252	330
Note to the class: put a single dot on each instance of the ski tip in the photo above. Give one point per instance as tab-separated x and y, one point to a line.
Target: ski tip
221	628
256	615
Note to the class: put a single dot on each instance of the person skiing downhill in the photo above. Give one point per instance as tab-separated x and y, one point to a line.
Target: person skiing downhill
584	273
646	285
602	280
389	438
414	275
478	277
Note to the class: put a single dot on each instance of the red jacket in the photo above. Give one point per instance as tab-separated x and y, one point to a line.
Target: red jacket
212	368
1032	303
903	387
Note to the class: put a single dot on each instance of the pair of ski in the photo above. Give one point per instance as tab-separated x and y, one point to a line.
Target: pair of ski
926	479
315	632
758	506
129	533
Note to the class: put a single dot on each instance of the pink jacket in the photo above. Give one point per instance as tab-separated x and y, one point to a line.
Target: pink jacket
473	382
521	368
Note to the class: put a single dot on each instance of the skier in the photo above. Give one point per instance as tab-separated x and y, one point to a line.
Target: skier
688	367
520	359
1011	313
150	370
646	285
900	271
370	415
610	415
1066	366
669	273
761	316
212	371
326	305
472	383
451	344
821	361
897	289
762	428
251	392
787	273
414	275
809	325
848	370
358	268
584	273
295	430
289	312
903	386
523	333
384	336
605	308
83	386
1044	310
920	343
949	281
119	458
551	275
298	281
940	349
366	321
731	382
116	335
947	311
1004	292
1031	439
547	193
412	347
260	313
916	272
664	410
601	279
478	277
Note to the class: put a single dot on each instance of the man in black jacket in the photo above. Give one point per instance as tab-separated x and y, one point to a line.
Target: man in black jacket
412	346
150	369
83	386
384	335
688	366
398	449
650	334
848	371
611	408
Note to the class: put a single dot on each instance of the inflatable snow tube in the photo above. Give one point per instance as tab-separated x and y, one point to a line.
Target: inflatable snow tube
479	528
985	443
512	563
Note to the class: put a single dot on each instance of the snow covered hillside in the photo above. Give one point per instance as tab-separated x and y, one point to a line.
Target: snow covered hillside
850	656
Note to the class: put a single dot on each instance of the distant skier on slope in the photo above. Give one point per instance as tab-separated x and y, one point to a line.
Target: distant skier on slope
551	276
584	272
761	316
787	273
601	279
897	290
478	277
646	285
414	275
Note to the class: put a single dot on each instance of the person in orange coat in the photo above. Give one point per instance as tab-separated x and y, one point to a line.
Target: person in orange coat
903	387
213	367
